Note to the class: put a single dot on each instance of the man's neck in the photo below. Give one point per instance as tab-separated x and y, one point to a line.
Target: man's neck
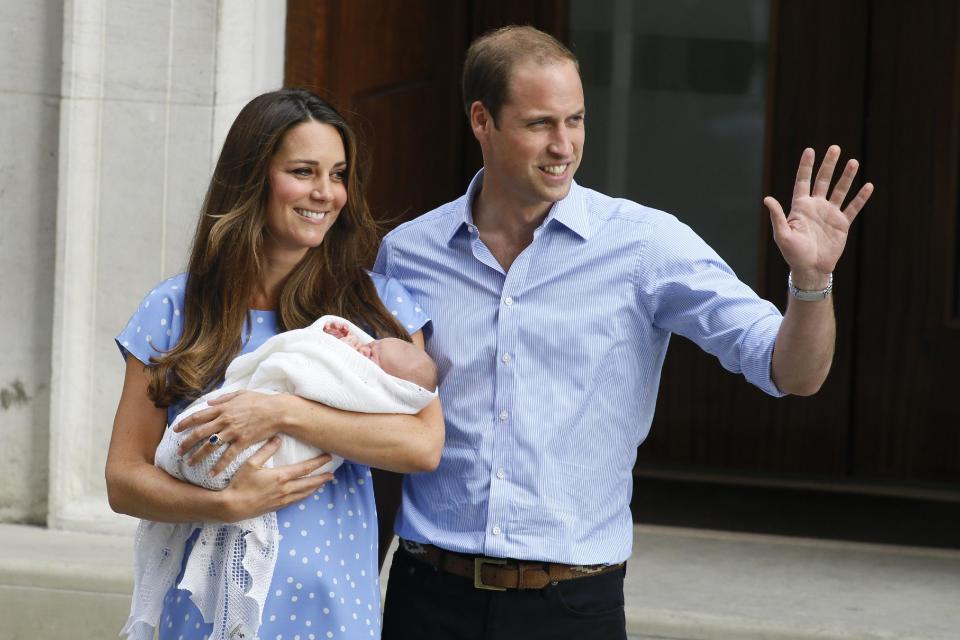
493	213
506	227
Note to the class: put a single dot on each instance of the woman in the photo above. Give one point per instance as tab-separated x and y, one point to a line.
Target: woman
283	238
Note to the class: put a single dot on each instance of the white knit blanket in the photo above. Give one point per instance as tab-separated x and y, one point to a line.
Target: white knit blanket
230	566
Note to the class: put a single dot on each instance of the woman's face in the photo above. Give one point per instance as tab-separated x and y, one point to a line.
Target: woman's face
307	190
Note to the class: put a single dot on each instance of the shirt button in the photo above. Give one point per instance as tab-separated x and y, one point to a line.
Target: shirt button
506	358
496	530
504	415
508	301
501	473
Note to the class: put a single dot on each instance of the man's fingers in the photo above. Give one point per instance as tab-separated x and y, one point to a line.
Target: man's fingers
801	187
777	218
300	469
840	191
858	201
825	175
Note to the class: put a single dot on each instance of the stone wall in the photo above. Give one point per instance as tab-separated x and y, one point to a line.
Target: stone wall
113	115
30	50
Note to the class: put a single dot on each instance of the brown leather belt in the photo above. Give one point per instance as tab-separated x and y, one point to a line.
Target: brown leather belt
500	574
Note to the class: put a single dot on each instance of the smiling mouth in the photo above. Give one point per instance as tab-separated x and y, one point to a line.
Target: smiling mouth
554	169
311	215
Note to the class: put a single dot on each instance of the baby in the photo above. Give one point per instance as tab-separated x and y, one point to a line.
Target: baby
410	372
397	357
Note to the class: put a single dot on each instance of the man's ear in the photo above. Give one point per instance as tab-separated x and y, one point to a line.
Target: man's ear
480	120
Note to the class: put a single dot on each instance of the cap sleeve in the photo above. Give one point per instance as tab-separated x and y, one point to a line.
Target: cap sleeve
400	303
156	325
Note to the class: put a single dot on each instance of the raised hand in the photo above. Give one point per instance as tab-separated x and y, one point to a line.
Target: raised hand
812	237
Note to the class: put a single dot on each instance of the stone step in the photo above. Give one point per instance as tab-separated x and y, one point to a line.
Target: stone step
682	584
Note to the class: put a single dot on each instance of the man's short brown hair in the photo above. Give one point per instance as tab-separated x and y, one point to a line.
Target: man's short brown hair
491	57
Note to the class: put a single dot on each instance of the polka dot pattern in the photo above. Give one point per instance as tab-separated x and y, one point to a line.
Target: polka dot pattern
325	581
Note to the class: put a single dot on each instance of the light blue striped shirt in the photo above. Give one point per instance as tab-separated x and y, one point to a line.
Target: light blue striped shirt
549	372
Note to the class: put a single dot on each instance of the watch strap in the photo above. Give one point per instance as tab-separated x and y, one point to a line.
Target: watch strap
808	294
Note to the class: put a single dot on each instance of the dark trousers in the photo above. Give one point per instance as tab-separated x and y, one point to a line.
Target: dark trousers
424	603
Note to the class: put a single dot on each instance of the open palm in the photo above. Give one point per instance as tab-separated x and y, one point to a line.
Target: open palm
812	237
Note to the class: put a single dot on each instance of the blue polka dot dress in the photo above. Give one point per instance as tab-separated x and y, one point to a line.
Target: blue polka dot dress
325	584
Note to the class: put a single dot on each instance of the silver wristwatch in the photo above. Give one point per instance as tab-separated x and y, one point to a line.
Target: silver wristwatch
806	294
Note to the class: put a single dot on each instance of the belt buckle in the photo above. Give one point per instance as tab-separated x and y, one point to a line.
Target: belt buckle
478	563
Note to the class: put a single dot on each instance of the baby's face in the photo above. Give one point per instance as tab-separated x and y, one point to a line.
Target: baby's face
393	355
372	350
403	360
388	353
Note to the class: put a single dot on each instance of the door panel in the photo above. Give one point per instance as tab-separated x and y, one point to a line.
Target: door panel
908	357
398	87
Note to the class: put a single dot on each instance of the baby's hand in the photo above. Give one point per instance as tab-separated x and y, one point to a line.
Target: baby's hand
337	329
366	351
342	331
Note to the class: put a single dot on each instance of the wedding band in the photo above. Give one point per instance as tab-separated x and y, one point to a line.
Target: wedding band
215	440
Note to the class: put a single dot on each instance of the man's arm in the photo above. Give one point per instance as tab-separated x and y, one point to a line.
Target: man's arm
812	238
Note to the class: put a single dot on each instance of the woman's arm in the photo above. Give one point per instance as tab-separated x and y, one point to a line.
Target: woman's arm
396	442
138	488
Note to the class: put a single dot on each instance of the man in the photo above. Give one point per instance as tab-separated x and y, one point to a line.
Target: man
552	307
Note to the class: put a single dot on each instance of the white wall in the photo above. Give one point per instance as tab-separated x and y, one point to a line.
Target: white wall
116	110
29	124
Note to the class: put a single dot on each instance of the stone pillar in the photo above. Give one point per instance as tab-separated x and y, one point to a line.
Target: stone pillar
148	92
29	103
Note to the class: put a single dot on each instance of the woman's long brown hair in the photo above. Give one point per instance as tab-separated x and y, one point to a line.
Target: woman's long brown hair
226	260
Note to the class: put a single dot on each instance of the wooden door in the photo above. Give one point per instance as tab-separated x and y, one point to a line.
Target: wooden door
880	79
907	325
391	66
708	421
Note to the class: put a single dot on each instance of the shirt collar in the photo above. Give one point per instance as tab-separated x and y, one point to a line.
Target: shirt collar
571	212
464	215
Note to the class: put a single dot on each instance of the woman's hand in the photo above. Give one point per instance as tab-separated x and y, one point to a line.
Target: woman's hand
137	487
239	419
256	490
